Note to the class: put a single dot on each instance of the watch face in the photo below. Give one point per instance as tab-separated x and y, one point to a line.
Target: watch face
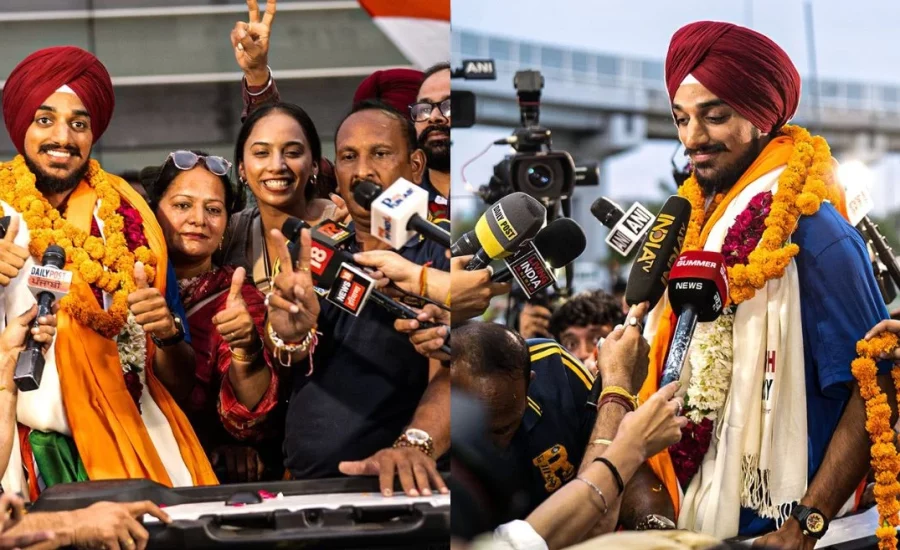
417	436
815	522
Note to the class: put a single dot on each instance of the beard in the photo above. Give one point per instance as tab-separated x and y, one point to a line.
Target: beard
437	154
724	178
47	184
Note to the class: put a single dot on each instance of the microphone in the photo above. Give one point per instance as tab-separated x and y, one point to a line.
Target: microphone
501	230
48	282
556	246
349	287
659	249
698	289
626	229
399	213
4	225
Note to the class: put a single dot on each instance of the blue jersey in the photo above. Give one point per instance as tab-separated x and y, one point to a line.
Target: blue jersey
839	303
550	443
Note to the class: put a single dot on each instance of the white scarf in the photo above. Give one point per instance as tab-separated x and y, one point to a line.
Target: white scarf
758	455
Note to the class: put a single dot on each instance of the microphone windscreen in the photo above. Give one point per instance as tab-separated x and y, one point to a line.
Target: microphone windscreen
658	252
561	242
291	229
55	256
365	193
607	212
511	221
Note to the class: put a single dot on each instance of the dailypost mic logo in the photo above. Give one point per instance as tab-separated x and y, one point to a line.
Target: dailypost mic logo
503	222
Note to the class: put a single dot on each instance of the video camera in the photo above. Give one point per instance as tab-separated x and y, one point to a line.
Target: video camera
547	175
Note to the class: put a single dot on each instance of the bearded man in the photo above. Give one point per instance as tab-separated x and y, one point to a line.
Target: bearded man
102	410
778	437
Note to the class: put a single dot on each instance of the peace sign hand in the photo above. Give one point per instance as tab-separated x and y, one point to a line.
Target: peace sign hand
251	43
293	304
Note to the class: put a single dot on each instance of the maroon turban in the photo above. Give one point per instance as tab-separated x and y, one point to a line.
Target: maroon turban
40	74
740	66
396	87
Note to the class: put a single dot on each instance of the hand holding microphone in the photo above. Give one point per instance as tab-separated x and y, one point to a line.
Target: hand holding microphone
427	341
472	290
49	282
42	329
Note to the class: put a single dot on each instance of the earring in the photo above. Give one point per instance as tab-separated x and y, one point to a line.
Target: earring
221	242
313	179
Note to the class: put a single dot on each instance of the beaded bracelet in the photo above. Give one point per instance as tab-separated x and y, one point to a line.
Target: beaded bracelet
284	350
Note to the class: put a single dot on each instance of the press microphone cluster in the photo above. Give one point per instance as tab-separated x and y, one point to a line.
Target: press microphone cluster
49	282
650	273
399	213
347	284
501	230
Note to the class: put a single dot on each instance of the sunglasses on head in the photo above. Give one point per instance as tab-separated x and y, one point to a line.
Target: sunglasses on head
420	112
185	160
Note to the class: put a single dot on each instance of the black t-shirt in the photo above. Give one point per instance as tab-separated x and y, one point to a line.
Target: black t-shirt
557	425
366	384
438	205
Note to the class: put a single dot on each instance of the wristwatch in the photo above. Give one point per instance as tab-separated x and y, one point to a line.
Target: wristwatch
655	522
418	439
812	521
171	340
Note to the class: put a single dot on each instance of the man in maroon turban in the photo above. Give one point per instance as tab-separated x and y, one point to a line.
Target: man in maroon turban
785	443
81	89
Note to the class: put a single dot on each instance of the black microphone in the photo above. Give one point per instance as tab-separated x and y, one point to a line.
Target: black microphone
329	264
659	249
4	225
48	281
560	243
501	230
698	289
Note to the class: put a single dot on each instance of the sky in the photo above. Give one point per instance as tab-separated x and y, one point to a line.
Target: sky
858	43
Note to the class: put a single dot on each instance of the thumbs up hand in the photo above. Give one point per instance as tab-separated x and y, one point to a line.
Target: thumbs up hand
149	307
234	322
12	256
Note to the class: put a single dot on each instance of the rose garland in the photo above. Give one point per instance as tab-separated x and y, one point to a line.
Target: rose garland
802	186
88	254
885	459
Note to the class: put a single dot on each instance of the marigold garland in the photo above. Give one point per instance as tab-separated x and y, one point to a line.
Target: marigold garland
88	255
885	458
802	186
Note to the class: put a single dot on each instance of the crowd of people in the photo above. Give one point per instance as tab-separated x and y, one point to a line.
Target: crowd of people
193	346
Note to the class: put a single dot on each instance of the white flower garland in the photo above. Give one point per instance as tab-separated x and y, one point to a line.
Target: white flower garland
711	356
132	346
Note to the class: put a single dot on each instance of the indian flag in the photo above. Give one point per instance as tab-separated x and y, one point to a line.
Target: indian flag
419	28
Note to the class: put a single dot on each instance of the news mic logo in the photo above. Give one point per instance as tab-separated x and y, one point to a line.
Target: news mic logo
335	232
503	222
530	270
397	199
319	256
630	229
479	69
351	289
49	279
384	230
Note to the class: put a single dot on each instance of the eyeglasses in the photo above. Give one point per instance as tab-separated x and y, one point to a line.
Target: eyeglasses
185	160
422	110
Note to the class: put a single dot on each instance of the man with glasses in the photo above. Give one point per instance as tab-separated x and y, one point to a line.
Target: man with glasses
431	114
100	411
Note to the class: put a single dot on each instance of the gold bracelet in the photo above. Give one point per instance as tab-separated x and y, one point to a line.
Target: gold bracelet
617	390
245	357
601	441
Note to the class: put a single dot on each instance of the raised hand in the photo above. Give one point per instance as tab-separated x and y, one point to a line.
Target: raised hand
293	304
12	256
250	41
12	340
149	307
234	322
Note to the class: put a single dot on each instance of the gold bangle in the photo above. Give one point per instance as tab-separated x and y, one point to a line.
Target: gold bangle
245	357
601	441
617	390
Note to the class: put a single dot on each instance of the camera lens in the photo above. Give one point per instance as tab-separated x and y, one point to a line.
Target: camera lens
539	176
